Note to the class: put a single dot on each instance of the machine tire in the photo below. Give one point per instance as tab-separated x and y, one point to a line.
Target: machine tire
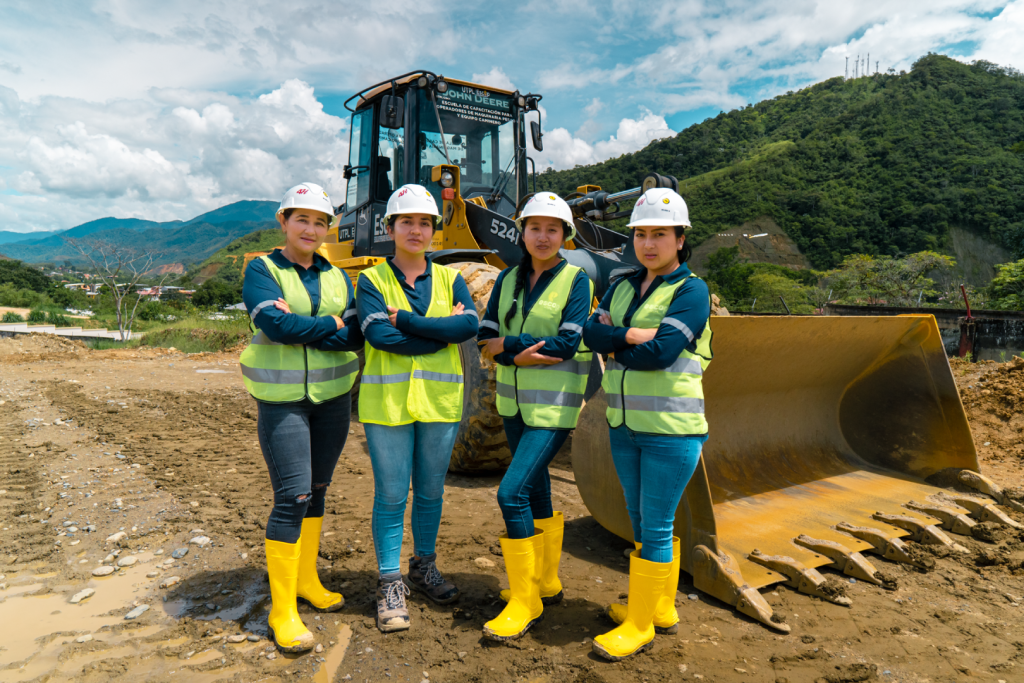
481	445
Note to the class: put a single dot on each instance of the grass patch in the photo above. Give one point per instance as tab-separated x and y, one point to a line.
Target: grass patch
197	334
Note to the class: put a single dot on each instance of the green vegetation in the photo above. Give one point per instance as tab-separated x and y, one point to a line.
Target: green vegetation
217	294
881	165
732	280
12	317
19	276
37	316
194	333
226	265
1007	289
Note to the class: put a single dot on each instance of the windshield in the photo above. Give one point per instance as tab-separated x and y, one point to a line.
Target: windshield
479	130
359	148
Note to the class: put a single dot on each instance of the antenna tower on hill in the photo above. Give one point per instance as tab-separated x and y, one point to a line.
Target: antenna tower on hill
867	66
846	73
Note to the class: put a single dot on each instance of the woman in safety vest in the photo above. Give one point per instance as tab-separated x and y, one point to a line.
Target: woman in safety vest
654	327
414	314
300	368
533	328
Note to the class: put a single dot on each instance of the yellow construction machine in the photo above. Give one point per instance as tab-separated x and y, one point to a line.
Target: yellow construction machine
830	436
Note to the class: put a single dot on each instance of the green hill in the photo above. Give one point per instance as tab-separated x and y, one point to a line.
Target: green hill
226	264
173	242
883	164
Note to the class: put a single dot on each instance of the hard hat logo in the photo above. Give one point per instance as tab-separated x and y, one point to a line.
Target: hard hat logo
302	191
665	200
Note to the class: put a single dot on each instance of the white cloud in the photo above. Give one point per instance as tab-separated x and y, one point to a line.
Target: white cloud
564	150
162	158
495	78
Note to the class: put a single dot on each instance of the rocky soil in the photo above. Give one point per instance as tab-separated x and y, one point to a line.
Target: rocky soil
132	502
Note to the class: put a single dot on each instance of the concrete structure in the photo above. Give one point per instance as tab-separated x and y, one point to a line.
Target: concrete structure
14	329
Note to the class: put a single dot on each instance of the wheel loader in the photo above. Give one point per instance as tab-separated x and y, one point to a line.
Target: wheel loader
829	436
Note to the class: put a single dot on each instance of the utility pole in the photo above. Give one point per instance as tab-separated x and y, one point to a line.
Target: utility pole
867	72
846	72
876	66
855	66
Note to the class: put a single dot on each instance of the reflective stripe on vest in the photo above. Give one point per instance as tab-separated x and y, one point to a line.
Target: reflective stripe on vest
669	401
399	389
285	373
547	396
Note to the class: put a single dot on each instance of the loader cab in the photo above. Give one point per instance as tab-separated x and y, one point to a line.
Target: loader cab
484	132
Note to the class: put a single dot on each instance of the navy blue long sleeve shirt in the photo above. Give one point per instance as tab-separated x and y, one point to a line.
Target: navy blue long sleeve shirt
260	290
570	330
415	334
682	325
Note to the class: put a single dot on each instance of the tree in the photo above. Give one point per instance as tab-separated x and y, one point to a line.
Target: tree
887	280
768	289
1006	291
120	268
217	294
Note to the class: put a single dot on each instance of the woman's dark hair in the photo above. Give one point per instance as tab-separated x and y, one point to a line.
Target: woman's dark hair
288	214
525	268
686	252
394	218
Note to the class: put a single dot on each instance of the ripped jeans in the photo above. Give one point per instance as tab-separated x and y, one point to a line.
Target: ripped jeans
301	443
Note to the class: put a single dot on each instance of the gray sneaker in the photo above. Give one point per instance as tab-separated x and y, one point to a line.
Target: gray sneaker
392	614
424	577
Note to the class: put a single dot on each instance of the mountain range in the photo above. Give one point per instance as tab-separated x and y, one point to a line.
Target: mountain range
885	164
172	242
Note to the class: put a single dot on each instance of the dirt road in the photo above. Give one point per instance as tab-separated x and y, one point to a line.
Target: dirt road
125	459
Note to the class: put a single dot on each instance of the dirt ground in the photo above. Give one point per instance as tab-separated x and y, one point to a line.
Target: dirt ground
126	457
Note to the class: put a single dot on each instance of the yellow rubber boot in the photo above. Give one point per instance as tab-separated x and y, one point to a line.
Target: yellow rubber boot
523	563
550	587
646	586
309	587
666	618
286	627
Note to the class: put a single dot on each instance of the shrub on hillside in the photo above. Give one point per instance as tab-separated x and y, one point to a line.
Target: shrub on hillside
22	298
58	319
12	317
217	294
37	316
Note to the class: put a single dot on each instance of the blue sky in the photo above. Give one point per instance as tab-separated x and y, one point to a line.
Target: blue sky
163	110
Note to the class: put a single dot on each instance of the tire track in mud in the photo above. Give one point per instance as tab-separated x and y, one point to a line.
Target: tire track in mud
25	500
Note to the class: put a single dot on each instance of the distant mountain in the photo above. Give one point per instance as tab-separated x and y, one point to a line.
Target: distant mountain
7	236
250	210
883	164
226	264
180	242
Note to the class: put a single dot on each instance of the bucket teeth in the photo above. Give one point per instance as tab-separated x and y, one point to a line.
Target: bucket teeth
951	519
888	546
717	575
805	579
980	482
847	561
921	532
984	510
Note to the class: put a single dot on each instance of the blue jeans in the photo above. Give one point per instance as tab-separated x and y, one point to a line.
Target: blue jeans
301	443
525	490
420	453
654	470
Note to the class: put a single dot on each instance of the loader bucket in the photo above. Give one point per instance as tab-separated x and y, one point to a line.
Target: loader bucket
814	422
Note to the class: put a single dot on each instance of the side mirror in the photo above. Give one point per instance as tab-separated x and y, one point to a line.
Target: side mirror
392	112
537	135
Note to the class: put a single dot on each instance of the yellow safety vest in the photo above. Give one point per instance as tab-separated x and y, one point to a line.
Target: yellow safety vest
548	396
669	401
285	373
397	389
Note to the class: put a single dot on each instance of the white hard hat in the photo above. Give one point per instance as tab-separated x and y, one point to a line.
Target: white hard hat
308	196
412	199
659	206
551	205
